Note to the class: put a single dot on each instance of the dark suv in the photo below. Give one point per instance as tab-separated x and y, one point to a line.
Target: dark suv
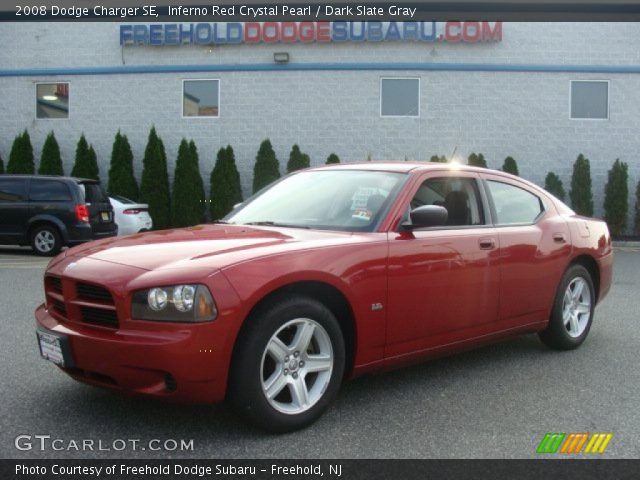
49	212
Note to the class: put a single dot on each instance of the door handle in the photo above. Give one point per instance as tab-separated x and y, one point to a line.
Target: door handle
487	243
559	237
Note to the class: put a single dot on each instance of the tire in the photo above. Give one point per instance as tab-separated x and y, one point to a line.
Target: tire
46	240
271	359
572	311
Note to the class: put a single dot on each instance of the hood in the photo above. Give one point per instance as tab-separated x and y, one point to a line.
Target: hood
212	246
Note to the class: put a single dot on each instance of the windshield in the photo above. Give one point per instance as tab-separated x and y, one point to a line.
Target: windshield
351	200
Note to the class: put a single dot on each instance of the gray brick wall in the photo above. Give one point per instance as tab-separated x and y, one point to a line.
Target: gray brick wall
525	115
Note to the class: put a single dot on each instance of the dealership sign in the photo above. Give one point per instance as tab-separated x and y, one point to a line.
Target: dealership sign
158	34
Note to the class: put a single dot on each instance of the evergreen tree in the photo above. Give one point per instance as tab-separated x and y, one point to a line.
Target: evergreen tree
197	181
225	184
50	161
154	186
188	203
332	158
580	194
267	168
297	160
553	185
438	159
21	155
121	178
510	166
477	160
86	164
616	199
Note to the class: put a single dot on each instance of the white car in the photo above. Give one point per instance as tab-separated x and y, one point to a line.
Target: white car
130	216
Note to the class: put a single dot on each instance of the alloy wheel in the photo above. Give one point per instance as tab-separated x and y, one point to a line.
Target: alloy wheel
296	366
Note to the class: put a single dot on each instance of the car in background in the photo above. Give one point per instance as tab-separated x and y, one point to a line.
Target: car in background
130	216
327	274
49	212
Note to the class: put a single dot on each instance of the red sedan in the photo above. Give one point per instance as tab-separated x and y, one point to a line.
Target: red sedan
327	274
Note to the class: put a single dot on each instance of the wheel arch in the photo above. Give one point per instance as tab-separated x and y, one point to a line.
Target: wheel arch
47	219
327	294
588	262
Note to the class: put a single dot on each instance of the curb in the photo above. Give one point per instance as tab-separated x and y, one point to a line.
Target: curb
626	243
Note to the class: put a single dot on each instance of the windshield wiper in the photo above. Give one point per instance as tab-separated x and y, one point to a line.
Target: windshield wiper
270	223
222	222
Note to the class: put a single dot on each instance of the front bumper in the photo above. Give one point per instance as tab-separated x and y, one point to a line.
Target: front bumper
182	362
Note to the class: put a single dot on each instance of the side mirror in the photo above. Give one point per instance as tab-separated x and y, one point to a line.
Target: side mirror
427	216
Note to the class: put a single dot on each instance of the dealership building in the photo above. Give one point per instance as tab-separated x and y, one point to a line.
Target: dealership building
539	92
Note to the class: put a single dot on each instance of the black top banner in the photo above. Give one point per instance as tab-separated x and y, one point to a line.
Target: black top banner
299	10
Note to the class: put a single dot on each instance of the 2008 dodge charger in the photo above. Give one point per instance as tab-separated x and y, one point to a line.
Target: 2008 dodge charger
329	273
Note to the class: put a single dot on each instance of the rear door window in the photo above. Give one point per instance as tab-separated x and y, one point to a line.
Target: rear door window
49	191
514	205
12	190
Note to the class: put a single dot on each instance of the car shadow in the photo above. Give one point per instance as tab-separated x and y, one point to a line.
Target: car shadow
213	425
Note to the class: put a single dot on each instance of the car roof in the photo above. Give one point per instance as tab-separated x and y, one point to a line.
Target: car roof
410	167
398	166
50	177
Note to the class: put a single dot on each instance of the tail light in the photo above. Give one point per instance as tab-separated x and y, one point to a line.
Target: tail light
82	213
132	211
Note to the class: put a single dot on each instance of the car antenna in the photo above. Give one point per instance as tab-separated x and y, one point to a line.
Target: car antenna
453	154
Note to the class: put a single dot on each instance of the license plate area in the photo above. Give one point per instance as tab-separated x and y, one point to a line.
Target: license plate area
105	217
54	348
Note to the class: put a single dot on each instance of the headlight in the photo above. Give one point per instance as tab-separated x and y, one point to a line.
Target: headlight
176	303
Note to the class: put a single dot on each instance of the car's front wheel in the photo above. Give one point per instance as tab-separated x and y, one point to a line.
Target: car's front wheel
288	365
572	311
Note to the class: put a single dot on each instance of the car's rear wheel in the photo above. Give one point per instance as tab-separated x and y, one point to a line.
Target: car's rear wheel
288	365
572	311
45	240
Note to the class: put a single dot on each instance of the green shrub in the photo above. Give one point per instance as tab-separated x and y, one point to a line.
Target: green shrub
332	158
297	160
510	166
616	198
438	159
477	160
154	185
1	165
198	189
188	193
121	178
267	168
553	185
86	163
580	194
637	219
225	184
50	161
21	155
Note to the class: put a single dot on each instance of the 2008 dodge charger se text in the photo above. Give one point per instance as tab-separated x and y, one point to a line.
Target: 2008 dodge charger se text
329	273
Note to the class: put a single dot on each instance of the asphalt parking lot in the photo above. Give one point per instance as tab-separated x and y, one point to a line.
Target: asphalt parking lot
495	402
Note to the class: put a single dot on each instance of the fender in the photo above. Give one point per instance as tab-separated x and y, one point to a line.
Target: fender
49	219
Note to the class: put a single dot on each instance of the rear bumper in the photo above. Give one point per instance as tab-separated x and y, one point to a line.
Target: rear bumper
606	274
83	232
186	363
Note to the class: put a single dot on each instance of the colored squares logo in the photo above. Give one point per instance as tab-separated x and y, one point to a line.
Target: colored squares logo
569	443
